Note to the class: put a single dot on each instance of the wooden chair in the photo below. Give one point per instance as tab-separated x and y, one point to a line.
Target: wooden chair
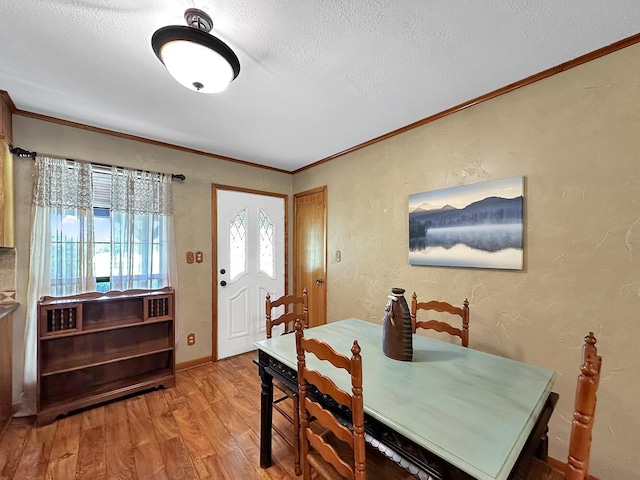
296	309
438	325
332	450
577	467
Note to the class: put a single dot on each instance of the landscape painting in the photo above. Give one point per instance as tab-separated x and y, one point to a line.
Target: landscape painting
478	225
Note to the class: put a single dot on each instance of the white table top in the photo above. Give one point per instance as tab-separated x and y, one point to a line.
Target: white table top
472	409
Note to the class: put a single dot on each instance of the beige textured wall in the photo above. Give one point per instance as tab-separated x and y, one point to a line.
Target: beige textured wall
576	139
192	204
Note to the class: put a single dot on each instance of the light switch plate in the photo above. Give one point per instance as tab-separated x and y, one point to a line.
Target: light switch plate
199	257
190	257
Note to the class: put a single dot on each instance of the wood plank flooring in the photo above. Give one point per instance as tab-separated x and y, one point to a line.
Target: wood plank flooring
205	428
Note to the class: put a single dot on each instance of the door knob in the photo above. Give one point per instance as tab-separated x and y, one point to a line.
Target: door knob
319	281
223	283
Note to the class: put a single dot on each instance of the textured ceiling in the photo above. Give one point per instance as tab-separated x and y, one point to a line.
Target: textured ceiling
317	76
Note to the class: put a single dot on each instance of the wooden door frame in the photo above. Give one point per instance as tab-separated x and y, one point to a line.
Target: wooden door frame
296	280
214	252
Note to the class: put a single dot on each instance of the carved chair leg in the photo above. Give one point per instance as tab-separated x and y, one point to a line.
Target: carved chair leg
296	434
304	443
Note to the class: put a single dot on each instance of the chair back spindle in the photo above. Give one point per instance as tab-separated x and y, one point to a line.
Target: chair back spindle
584	411
295	307
438	325
577	466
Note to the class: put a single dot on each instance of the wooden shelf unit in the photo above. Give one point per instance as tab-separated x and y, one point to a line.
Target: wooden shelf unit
96	347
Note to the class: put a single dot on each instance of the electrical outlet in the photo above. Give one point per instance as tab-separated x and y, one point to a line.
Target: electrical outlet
190	257
191	339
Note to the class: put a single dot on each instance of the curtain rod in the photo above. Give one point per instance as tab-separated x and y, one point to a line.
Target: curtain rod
22	153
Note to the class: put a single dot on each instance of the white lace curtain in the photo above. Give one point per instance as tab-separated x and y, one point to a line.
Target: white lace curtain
141	230
62	240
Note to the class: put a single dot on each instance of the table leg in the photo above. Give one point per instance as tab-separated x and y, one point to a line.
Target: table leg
537	444
542	452
266	417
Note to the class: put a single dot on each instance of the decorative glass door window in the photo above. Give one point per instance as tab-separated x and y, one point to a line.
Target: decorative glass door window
238	245
267	245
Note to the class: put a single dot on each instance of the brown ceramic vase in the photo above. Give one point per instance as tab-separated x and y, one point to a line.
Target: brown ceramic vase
397	336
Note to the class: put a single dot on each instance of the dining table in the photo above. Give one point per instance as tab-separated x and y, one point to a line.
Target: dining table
449	413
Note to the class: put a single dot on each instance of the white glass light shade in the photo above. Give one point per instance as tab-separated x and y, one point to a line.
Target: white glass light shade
197	60
196	67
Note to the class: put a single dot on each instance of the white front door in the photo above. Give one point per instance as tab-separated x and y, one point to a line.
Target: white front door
251	263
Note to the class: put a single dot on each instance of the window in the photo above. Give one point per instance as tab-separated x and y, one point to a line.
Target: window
102	248
121	250
238	245
267	245
68	246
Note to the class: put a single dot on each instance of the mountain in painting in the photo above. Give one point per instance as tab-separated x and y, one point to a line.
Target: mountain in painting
427	207
488	211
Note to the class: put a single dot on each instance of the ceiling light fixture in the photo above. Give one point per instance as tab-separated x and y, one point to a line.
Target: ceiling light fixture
197	60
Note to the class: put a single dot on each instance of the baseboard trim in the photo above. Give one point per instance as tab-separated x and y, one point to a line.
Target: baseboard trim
14	408
560	466
192	363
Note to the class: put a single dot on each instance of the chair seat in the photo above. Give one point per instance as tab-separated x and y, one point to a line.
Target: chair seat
323	468
539	470
378	466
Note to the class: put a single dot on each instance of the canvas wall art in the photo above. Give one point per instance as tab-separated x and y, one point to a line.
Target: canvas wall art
478	225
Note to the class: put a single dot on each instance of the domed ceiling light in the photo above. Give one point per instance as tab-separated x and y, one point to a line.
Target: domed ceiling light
197	60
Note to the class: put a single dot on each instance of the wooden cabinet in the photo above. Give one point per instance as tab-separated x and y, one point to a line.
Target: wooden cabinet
7	236
96	347
6	117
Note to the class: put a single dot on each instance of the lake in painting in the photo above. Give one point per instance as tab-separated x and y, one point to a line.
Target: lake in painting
478	225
